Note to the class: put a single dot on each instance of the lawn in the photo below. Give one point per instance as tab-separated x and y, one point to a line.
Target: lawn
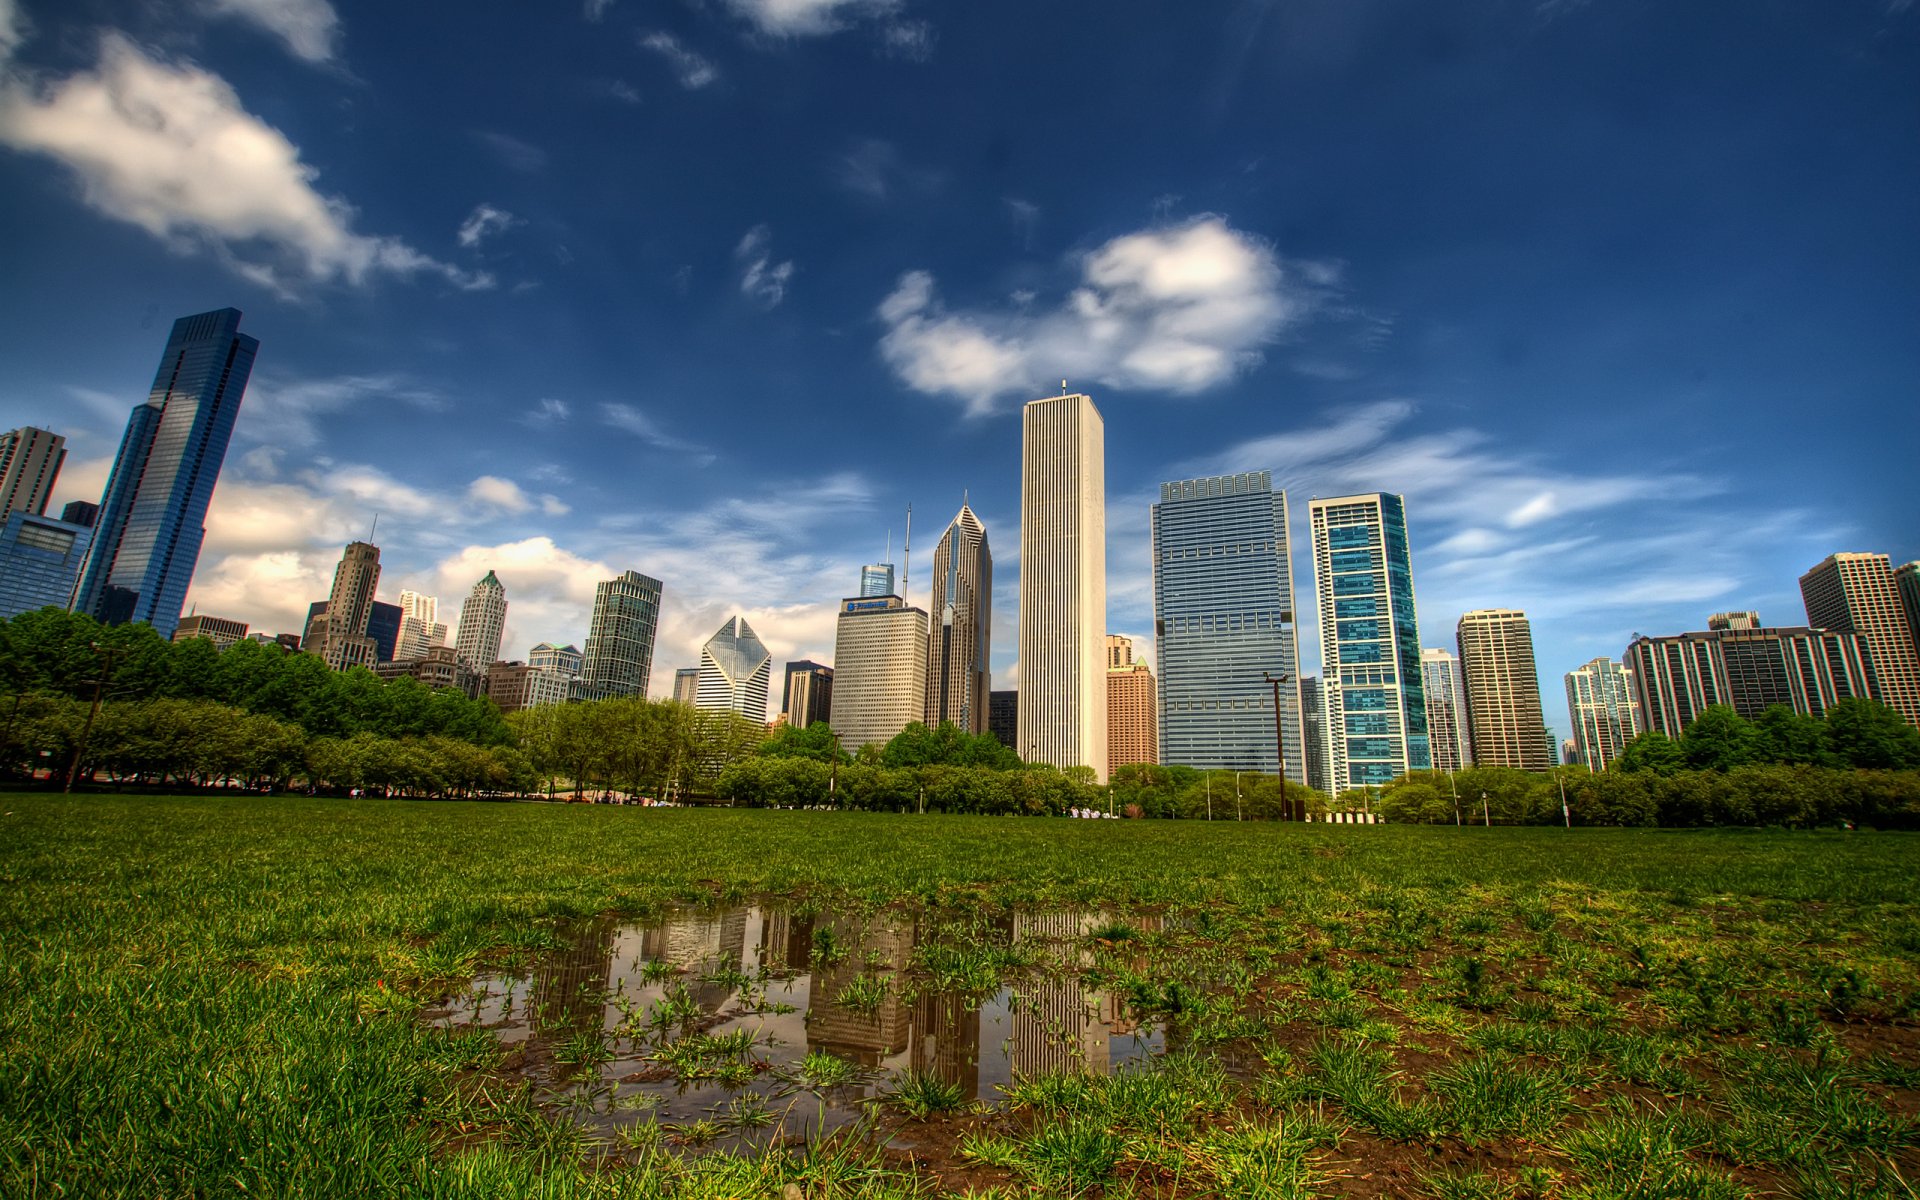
215	997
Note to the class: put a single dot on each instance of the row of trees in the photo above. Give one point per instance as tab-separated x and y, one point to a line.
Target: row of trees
1853	733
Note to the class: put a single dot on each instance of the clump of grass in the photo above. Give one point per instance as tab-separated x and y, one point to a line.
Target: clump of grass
1494	1097
922	1094
863	994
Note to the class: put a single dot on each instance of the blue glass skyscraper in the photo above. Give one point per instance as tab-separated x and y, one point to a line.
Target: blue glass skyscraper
1223	622
1371	683
154	512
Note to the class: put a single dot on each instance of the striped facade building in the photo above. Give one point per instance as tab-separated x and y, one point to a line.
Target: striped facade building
1676	678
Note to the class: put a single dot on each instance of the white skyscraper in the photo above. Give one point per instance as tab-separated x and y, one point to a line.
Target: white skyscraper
1601	705
1063	584
960	626
483	618
29	464
420	627
735	672
879	669
1447	730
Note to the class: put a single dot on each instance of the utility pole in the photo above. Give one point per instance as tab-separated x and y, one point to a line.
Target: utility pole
107	655
1279	745
1566	814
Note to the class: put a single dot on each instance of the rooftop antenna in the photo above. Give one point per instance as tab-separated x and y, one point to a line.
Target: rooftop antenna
374	529
888	557
906	552
1063	387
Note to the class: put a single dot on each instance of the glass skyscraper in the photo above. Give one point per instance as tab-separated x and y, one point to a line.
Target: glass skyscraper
153	515
619	657
1223	621
1371	685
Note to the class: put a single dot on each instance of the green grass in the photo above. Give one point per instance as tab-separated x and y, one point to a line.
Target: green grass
216	997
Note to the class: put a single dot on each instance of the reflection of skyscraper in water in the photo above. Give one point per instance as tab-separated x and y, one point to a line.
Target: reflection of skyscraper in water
786	942
700	944
570	987
946	1041
862	1037
1057	1026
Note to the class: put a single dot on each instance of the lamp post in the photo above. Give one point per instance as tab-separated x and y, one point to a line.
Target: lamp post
1209	795
1279	743
1237	811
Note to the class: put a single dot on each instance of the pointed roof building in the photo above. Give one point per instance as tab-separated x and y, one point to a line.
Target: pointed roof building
735	672
960	634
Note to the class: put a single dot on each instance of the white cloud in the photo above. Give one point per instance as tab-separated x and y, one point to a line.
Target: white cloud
596	9
169	148
308	27
632	420
911	40
293	412
1179	308
801	18
13	29
875	170
548	411
508	496
693	70
517	155
484	222
762	280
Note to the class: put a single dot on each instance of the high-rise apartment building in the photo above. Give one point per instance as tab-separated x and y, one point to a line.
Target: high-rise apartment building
879	669
1063	584
420	625
40	561
619	654
29	466
960	632
1749	670
1313	732
807	697
1856	593
876	579
686	685
483	619
1446	710
1601	705
1906	578
218	630
342	639
1504	715
1374	694
1223	625
1132	720
563	661
153	515
735	670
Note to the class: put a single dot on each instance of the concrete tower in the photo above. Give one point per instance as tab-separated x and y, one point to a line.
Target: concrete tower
1601	705
879	669
1446	710
343	640
1856	593
483	618
1503	690
29	465
959	640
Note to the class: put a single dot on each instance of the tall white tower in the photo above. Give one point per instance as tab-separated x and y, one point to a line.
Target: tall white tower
1063	584
483	618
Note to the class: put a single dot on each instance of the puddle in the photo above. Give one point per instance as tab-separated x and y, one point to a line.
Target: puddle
735	1027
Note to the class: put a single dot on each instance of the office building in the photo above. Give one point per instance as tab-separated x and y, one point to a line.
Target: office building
514	686
1003	717
1446	710
686	685
563	661
383	626
879	669
439	667
1907	579
1374	693
420	625
1313	732
1857	594
1600	702
218	630
876	579
1063	584
29	466
1504	718
735	670
80	512
960	629
1749	670
807	698
483	619
338	634
1224	625
1132	721
40	561
619	655
153	515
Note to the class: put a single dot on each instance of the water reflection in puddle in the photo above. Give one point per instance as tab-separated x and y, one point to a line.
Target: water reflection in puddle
730	1027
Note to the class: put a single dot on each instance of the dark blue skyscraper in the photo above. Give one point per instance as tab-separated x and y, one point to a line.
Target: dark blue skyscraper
154	512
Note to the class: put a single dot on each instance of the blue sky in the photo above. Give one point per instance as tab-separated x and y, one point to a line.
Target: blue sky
1622	294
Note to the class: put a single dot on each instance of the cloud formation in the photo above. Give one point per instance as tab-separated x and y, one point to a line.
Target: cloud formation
807	18
483	223
762	280
169	148
693	70
629	419
308	27
509	497
1175	308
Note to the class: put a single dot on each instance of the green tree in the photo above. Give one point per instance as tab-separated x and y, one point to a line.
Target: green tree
1719	739
817	741
1866	733
1653	752
1784	736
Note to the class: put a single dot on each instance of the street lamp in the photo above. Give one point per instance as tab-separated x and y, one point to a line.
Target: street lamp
1236	797
1279	743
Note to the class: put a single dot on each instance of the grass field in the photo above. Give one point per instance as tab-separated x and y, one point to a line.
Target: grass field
210	997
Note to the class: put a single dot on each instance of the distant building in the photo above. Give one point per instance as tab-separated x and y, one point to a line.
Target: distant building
29	466
560	660
1313	732
514	686
1224	625
80	512
1676	678
807	698
879	669
40	562
1734	620
1063	583
876	579
340	635
440	667
1503	691
735	670
483	619
218	630
686	685
1907	579
619	655
1132	720
1374	694
1600	702
153	515
420	625
383	626
290	642
1446	710
1857	594
960	626
1003	718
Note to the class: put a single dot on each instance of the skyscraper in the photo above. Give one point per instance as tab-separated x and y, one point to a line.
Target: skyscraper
563	661
876	579
483	618
1223	623
1003	716
1907	578
1856	593
1132	710
1374	696
40	560
735	670
1749	670
420	626
1063	584
879	669
686	685
153	514
619	655
960	634
29	464
343	640
1503	691
1446	710
1313	732
1600	703
807	698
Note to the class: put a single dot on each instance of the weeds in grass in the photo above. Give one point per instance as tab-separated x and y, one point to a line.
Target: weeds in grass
922	1094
